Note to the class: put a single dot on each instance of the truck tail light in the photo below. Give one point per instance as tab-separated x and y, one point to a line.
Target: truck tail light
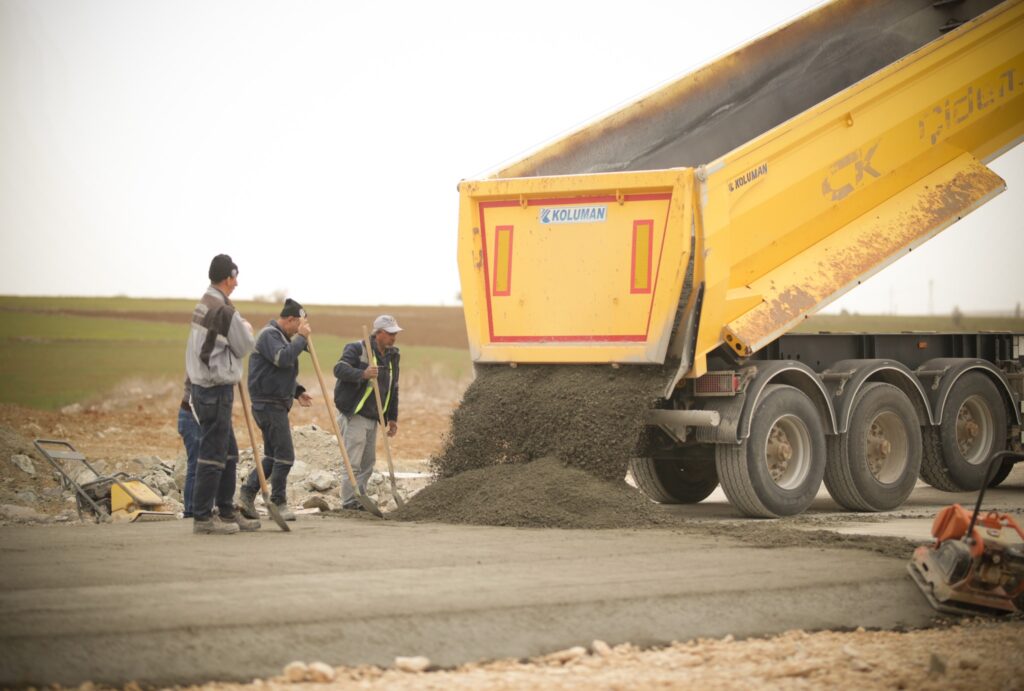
717	384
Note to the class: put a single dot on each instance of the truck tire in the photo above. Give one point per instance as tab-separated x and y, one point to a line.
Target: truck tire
778	469
973	427
875	464
674	480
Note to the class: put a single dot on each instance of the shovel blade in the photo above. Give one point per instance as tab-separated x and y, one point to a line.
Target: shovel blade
275	513
399	502
369	505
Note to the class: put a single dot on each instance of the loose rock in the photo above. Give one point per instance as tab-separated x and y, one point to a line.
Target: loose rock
296	671
321	672
412	664
24	463
568	655
321	481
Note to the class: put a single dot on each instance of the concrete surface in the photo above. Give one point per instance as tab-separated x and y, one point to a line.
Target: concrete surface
152	602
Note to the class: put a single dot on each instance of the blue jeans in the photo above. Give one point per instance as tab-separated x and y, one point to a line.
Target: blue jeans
190	433
218	452
278	452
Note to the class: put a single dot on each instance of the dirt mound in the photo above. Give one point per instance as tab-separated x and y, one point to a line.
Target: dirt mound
13	443
590	416
543	494
24	483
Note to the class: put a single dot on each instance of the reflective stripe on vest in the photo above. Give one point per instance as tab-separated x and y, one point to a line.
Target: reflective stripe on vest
369	390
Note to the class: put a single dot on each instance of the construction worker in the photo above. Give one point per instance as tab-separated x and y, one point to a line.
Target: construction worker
219	340
273	385
357	406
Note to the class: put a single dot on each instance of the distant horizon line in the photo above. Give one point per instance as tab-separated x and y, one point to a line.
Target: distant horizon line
259	299
1009	312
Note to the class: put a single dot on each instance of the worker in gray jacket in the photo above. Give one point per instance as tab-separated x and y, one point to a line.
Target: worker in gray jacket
219	340
273	385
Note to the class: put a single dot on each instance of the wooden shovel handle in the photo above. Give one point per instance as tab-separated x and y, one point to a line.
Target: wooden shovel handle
376	384
252	437
380	416
330	413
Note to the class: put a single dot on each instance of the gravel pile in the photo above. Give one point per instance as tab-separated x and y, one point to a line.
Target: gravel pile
589	416
545	493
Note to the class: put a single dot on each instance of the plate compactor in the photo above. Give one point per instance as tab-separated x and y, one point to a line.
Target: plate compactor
976	564
118	497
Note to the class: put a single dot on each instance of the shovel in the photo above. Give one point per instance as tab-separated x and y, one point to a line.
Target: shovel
275	513
383	425
364	500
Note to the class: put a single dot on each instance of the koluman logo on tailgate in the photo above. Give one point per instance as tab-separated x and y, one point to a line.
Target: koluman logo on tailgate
573	214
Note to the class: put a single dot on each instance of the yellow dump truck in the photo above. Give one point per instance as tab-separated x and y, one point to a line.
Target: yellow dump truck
696	226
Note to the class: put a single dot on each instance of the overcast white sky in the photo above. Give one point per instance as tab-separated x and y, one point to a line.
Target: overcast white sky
320	143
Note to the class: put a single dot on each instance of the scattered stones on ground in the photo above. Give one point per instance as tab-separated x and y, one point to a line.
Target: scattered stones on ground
412	664
321	481
24	463
313	481
296	671
22	514
321	673
564	657
978	654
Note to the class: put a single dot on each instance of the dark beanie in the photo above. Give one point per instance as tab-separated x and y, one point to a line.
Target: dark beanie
221	268
292	309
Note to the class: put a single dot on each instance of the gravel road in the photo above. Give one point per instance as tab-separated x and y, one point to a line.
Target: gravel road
156	604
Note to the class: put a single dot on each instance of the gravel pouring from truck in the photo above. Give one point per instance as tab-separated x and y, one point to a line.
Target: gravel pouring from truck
697	226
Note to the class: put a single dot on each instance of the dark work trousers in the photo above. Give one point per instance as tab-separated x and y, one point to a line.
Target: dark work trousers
188	428
278	452
218	452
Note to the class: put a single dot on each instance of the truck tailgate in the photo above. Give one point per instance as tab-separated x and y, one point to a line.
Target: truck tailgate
574	268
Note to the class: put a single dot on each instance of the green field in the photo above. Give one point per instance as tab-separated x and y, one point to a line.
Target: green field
51	357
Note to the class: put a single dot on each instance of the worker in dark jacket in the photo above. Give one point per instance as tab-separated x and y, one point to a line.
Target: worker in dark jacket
357	406
273	385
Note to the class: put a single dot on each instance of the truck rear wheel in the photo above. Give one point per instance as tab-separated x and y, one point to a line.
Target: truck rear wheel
973	427
675	480
874	465
778	469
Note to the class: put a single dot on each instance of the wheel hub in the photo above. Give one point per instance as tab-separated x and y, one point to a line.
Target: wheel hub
973	429
787	451
886	447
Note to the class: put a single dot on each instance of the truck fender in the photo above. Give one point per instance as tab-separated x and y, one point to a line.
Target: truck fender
939	375
736	411
845	379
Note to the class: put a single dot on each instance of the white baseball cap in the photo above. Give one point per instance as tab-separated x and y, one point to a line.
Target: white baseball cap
386	322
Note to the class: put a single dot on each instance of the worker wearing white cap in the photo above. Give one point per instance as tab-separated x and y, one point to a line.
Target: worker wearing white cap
357	406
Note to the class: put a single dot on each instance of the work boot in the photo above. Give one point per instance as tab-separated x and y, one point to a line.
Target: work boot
286	513
353	506
247	503
246	525
214	526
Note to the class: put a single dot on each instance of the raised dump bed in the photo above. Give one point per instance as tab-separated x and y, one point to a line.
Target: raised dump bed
702	222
